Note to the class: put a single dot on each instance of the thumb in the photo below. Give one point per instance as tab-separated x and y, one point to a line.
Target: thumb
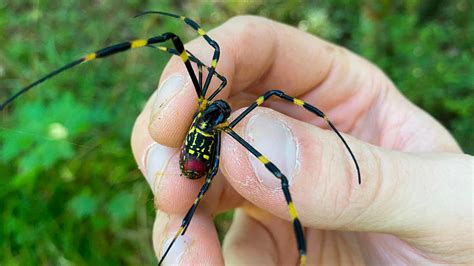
401	193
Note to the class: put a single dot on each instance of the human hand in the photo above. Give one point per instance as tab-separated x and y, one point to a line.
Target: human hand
415	201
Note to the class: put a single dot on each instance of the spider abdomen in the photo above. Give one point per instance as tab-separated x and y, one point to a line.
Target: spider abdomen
197	152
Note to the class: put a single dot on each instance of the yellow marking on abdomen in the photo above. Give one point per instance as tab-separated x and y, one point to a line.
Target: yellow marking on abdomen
263	159
298	102
206	156
214	63
90	57
203	125
203	133
184	56
139	43
292	210
260	100
210	146
191	151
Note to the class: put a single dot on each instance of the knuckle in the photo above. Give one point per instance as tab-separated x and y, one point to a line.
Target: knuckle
245	20
246	28
359	199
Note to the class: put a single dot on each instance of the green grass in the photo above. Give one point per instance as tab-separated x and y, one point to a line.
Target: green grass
70	191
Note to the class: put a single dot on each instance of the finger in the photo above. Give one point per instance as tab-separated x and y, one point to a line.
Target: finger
200	244
353	92
248	242
410	195
287	59
160	165
151	157
257	237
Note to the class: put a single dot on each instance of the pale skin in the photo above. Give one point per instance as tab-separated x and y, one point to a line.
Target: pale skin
414	205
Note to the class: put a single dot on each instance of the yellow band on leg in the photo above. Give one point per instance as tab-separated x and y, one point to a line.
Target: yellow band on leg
139	43
303	260
298	102
90	57
291	208
201	32
263	159
184	56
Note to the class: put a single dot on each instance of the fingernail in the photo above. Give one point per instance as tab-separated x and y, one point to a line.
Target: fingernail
155	161
167	90
177	251
272	138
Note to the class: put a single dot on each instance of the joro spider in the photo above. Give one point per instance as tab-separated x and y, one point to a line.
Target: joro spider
201	149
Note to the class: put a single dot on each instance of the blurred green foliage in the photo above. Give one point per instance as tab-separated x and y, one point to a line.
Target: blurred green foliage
70	191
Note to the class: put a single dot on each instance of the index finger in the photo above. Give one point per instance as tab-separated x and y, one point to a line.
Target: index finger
257	54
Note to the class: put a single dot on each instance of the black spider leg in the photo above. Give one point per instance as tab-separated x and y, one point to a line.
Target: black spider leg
199	63
189	215
298	228
215	73
201	32
306	106
114	49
